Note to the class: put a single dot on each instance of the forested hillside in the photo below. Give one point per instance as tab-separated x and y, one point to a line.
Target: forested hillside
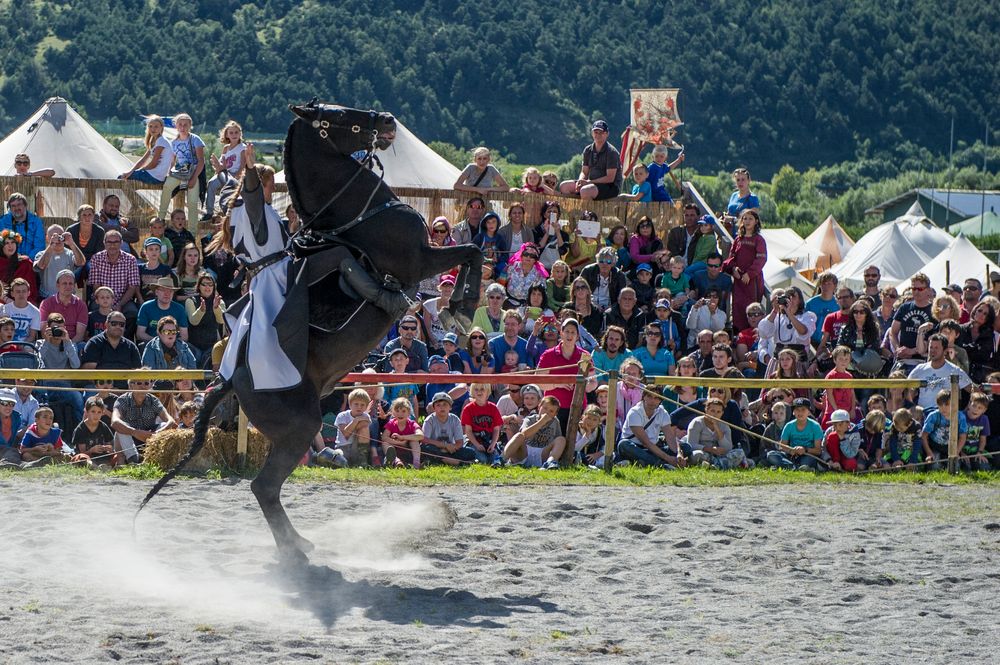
763	83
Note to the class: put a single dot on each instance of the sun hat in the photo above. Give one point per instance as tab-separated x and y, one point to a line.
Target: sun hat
165	283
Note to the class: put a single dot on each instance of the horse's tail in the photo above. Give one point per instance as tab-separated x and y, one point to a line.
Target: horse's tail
212	399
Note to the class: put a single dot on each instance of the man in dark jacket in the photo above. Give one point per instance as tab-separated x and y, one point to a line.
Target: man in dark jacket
605	279
626	314
680	238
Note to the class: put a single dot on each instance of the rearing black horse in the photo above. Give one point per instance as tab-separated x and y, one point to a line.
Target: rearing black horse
343	201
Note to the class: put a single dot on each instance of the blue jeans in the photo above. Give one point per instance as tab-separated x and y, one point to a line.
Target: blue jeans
695	268
785	461
72	398
142	175
633	451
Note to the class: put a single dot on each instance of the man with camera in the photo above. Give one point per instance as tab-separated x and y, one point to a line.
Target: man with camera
57	351
60	253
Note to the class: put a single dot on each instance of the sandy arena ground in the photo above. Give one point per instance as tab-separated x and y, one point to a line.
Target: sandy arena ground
866	574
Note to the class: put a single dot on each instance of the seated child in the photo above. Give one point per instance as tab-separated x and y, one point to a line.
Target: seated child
902	439
874	428
443	441
187	414
93	439
540	443
481	424
934	433
42	439
353	432
403	434
677	282
398	360
645	292
709	440
642	191
842	442
590	437
801	440
779	415
971	455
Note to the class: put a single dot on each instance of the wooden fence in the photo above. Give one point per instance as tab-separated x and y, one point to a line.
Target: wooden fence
62	197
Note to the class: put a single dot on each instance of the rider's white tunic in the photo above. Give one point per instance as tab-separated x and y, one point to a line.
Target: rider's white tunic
269	367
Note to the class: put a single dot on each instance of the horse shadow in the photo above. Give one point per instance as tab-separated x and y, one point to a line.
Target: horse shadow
328	595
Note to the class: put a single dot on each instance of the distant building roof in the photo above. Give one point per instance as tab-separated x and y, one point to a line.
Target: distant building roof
964	203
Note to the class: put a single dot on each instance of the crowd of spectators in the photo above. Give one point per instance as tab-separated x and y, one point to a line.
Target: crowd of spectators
690	303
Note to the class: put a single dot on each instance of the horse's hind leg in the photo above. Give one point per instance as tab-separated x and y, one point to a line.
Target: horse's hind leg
290	420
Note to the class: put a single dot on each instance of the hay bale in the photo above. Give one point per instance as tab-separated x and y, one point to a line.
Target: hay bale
222	446
167	447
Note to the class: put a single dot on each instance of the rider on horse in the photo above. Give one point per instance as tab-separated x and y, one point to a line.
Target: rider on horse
264	320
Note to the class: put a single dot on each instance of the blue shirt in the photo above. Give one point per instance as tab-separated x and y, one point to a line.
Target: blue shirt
821	308
792	436
738	205
936	425
658	181
32	231
499	346
605	364
645	189
150	315
658	365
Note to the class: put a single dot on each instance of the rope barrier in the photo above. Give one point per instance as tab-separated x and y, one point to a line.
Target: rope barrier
107	374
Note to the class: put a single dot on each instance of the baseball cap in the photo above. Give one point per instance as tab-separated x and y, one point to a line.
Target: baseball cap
436	359
152	241
662	303
840	416
531	388
707	219
7	397
396	351
953	288
643	266
447	279
442	397
450	337
599	124
801	401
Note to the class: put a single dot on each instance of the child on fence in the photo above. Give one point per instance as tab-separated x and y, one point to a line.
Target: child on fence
481	424
801	440
978	433
227	165
642	190
710	441
658	170
842	441
481	177
93	440
398	360
590	437
540	443
839	398
402	434
934	434
443	440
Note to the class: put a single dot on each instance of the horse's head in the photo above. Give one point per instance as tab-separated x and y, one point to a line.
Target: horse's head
347	130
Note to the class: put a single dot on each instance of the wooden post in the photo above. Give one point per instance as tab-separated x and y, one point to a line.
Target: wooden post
573	423
611	421
241	440
953	428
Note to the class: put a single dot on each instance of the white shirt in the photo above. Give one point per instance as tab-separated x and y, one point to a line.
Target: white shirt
937	380
637	416
782	330
26	318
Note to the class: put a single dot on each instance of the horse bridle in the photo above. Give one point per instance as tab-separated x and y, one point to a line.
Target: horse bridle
323	126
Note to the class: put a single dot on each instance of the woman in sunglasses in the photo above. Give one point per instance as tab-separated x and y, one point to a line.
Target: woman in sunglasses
644	246
476	356
524	272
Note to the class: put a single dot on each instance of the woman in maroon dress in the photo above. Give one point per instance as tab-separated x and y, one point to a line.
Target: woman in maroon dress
746	265
14	265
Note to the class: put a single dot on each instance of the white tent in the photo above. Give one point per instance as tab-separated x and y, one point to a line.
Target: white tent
922	232
955	264
57	137
887	247
408	162
781	242
782	275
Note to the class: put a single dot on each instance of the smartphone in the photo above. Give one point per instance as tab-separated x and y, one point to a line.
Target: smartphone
552	218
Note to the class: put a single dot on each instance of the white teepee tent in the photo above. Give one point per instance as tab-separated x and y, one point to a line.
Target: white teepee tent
956	263
922	232
57	137
829	244
887	247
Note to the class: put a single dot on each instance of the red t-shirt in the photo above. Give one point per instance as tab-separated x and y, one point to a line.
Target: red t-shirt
392	427
842	396
833	323
481	418
554	358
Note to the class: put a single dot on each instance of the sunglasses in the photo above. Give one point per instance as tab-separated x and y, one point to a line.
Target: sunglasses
140	383
872	275
858	311
408	328
891	296
169	332
21	162
112	242
475	337
918	289
607	262
441	231
755	314
494	297
654	333
714	265
116	324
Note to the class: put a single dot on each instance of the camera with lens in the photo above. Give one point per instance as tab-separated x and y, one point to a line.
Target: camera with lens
782	300
57	331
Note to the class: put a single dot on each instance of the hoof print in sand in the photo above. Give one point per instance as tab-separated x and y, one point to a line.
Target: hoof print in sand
683	544
638	526
875	580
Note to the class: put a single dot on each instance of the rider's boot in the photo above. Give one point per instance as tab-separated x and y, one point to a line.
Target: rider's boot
394	302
